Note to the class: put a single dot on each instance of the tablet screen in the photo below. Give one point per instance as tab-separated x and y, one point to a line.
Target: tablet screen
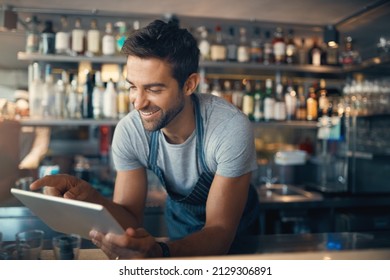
68	215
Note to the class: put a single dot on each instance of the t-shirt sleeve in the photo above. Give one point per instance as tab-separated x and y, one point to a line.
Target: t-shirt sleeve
235	152
124	153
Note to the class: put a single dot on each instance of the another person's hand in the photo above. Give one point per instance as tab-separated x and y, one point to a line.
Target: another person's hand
133	244
66	186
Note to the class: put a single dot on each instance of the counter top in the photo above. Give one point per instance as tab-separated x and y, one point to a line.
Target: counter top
338	246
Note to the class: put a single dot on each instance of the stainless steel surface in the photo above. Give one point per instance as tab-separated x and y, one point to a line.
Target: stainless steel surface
286	193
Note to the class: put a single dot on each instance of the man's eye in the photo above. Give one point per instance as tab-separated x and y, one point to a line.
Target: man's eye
154	90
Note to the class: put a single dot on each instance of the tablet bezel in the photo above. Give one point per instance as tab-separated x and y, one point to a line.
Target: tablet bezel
68	215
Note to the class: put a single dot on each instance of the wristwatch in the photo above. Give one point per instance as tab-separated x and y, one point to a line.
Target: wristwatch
165	249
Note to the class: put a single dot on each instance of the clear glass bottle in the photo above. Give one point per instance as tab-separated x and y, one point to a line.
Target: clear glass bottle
290	98
47	42
48	93
32	36
78	39
238	94
269	101
97	96
122	96
218	50
35	93
323	100
110	101
108	41
204	44
279	46
349	56
280	104
93	40
243	51
62	40
73	104
61	96
216	88
227	93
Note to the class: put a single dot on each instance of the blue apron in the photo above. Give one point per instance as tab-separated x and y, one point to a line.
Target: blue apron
187	214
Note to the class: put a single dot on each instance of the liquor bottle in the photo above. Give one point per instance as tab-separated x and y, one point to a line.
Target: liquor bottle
243	51
231	46
216	89
204	44
35	92
301	110
47	43
62	40
291	49
248	101
290	97
32	36
312	105
73	104
279	46
97	96
78	39
108	41
238	94
122	96
268	49
258	113
48	93
302	53
110	101
93	40
256	49
61	95
323	100
227	91
315	54
121	36
218	48
86	102
269	101
349	56
280	104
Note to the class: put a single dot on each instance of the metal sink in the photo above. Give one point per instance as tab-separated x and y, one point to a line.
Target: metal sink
286	193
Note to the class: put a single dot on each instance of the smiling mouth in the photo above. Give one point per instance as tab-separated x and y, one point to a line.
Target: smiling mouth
148	114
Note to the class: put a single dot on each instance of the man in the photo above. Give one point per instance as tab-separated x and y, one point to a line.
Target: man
200	147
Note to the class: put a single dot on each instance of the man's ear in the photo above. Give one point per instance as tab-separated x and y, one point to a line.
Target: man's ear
191	84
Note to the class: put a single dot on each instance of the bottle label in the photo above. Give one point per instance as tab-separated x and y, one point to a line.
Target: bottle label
279	50
93	41
218	53
78	40
62	41
32	43
108	45
243	54
269	104
316	57
204	48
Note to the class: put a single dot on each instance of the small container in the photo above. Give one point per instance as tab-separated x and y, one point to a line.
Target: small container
66	246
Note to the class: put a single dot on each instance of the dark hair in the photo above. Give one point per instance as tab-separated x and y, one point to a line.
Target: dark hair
168	42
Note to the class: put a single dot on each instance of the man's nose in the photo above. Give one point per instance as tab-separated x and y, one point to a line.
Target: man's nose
139	100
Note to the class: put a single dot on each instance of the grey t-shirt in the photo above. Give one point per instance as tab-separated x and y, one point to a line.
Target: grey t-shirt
228	146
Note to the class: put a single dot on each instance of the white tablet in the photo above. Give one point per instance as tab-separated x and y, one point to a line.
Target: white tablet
68	215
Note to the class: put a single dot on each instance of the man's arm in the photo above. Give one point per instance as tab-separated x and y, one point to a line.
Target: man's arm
224	208
130	193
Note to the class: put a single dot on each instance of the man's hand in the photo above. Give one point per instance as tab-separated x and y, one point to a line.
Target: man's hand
133	244
65	186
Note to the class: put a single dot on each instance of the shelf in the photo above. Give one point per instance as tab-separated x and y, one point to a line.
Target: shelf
66	122
70	59
211	66
292	124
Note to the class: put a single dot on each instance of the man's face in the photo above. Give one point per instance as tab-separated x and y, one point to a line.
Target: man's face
154	92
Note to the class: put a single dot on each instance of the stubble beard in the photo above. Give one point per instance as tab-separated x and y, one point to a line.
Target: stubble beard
166	117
